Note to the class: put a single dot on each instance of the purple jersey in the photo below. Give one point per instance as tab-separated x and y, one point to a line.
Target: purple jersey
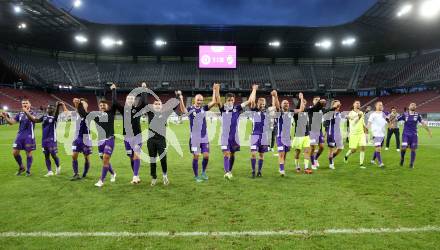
49	124
197	123
230	121
410	123
26	127
81	127
284	126
259	122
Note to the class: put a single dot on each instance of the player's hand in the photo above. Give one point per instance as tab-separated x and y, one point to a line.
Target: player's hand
2	114
144	85
255	87
113	86
323	101
75	101
274	93
301	95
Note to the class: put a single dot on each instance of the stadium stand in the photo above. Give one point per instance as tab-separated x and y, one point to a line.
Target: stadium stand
50	71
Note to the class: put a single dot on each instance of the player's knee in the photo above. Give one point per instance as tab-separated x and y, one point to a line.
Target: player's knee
15	152
195	156
261	156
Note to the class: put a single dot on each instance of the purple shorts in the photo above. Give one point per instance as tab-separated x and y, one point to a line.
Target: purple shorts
133	145
378	141
316	138
201	148
281	146
335	141
232	147
26	143
410	141
257	146
79	146
106	146
49	146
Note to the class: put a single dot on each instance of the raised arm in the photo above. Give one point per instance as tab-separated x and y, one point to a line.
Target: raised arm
8	119
215	96
182	107
115	103
302	104
81	110
275	100
252	97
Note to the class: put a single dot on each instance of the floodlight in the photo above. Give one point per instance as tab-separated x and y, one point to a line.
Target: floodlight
404	10
349	41
429	9
160	42
275	43
81	39
325	44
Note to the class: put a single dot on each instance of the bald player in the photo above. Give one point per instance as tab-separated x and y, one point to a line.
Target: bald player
198	142
284	122
410	136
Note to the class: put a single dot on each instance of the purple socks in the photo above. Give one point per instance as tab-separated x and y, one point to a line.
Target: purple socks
19	161
253	163
260	165
29	164
75	166
195	165
281	166
413	158
48	162
104	171
204	164
231	162
226	162
86	168
136	165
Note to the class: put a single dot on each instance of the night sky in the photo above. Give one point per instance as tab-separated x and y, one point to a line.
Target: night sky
221	12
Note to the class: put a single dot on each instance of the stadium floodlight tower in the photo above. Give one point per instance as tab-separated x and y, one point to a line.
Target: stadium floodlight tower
22	26
348	42
108	42
429	9
77	3
81	39
275	44
325	44
404	10
17	9
160	42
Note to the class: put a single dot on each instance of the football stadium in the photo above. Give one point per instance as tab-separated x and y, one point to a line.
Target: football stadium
219	124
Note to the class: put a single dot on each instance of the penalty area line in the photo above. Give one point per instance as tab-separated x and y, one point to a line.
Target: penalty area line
334	231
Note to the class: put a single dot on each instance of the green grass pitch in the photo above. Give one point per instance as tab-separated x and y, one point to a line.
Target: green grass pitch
348	197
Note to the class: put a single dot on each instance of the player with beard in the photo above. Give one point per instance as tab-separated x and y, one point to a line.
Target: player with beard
332	124
132	132
284	122
261	119
410	136
230	115
49	140
25	139
82	142
198	142
315	112
104	120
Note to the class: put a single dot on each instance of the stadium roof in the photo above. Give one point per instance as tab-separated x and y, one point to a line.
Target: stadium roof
377	31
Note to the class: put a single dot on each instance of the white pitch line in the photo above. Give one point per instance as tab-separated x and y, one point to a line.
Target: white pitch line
334	231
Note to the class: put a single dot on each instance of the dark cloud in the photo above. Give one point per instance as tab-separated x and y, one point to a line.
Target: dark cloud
244	12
